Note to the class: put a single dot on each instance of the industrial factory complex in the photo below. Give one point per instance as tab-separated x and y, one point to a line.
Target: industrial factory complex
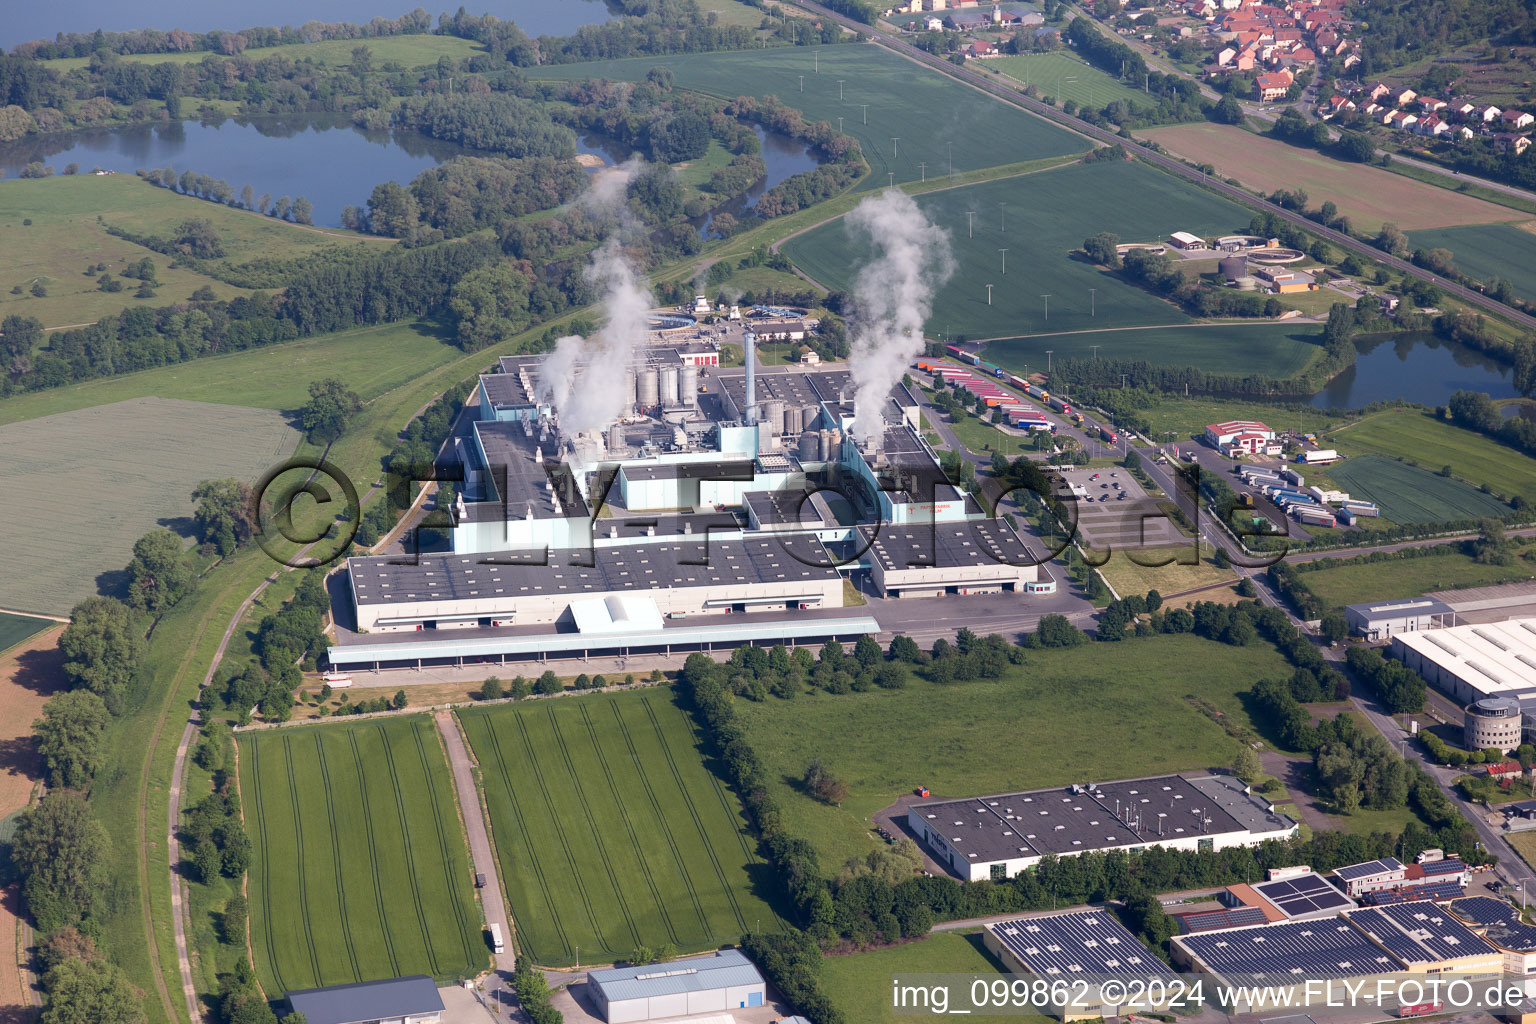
723	506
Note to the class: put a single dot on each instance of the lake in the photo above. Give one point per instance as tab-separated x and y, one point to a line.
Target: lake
324	158
1417	367
24	22
784	156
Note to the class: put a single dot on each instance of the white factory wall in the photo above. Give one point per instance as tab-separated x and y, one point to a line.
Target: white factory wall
976	578
521	535
536	609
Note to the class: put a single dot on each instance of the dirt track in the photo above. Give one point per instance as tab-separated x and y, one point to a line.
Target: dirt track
29	674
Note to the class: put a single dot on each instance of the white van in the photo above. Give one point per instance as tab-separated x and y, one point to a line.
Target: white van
497	945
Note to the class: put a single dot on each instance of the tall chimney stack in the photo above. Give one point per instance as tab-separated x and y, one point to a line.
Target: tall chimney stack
749	342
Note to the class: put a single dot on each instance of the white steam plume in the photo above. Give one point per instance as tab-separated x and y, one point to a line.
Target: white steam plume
893	295
583	378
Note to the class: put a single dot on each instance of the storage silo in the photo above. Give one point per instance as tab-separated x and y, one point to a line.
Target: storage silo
773	414
688	385
810	447
1233	268
629	386
809	414
793	424
616	438
648	388
669	383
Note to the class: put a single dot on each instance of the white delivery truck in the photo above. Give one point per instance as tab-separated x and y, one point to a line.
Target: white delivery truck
497	945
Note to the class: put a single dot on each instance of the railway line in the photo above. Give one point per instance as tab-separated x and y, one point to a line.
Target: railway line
1162	160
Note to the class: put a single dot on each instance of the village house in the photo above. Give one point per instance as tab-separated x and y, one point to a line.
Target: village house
1507	141
1516	119
1274	86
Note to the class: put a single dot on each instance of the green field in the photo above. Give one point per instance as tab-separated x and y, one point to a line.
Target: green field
67	235
1051	73
1102	711
1278	350
1044	219
84	486
359	868
927	112
1433	443
611	831
1408	494
1488	251
369	360
860	983
410	51
16	628
1412	577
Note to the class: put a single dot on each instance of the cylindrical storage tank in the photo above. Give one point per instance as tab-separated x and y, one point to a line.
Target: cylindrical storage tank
793	424
648	388
688	384
1247	283
1233	267
615	438
772	413
832	448
1493	722
827	452
669	383
629	386
809	414
810	447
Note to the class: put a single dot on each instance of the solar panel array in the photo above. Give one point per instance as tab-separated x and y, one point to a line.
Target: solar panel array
1419	932
1438	891
1291	951
1214	919
1303	895
1500	921
1082	943
1449	866
1384	866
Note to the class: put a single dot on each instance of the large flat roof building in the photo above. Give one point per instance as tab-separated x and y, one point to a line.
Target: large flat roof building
1383	619
980	556
1078	944
1497	659
680	988
999	836
409	1000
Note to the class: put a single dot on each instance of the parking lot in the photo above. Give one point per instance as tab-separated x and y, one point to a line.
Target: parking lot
1115	513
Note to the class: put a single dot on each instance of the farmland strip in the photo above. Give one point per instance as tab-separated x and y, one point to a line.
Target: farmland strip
341	877
410	860
565	843
634	840
266	861
373	861
661	819
303	888
586	810
522	839
693	812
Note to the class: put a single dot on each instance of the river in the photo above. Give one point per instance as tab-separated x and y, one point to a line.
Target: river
1417	367
26	21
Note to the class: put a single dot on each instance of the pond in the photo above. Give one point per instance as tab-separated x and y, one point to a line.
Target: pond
1417	367
324	158
784	156
24	22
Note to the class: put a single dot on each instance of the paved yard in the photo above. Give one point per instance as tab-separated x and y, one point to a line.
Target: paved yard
1108	522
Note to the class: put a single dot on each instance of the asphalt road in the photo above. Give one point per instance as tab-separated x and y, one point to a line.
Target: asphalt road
480	852
1008	95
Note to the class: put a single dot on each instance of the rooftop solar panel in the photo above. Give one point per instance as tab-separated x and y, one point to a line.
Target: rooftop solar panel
1499	921
1449	866
1215	919
1077	943
1385	865
1408	893
1291	951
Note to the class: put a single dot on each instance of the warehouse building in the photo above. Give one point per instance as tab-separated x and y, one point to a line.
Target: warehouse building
998	836
1283	964
983	556
1497	659
1248	437
1381	620
409	1000
681	988
1078	944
